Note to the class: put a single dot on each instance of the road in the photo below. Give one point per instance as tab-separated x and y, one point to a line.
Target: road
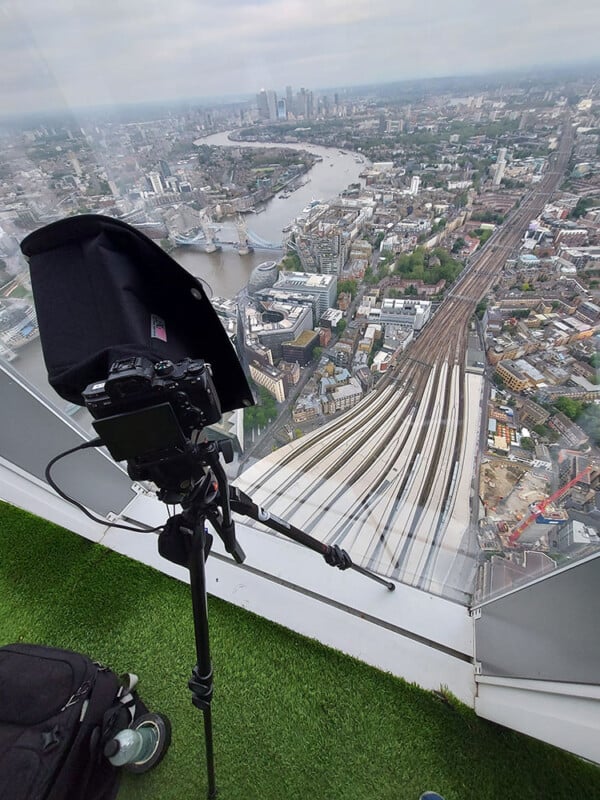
391	480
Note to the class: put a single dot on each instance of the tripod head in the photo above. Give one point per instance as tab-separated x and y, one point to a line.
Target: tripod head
206	498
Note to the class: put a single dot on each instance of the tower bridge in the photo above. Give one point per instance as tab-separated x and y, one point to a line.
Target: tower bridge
236	234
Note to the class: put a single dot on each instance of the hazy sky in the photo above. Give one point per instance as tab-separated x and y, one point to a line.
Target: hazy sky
73	53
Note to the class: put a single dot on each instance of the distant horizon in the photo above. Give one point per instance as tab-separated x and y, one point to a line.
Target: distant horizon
73	54
531	73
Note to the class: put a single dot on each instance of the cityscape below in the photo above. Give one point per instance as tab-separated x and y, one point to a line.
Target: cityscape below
410	275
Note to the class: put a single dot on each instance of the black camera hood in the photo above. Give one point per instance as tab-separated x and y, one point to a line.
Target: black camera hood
103	291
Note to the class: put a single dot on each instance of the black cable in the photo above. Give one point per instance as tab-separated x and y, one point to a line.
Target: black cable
97	442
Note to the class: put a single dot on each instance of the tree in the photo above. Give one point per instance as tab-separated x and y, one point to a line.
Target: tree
582	206
370	279
527	443
341	327
378	240
260	415
458	245
348	285
570	408
487	216
483	234
291	262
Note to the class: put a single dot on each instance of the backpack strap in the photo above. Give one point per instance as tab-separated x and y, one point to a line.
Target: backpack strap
85	760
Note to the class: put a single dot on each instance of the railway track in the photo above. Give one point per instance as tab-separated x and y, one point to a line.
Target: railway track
388	479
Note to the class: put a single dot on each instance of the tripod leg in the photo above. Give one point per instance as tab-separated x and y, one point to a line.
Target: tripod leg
201	683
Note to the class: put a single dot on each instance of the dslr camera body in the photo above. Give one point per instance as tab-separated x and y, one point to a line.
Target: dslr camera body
136	383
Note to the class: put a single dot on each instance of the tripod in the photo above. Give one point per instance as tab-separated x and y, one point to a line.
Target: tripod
185	541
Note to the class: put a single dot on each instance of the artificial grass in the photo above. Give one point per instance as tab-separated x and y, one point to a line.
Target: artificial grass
293	720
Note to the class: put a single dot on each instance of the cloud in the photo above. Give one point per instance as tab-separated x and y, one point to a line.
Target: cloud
82	52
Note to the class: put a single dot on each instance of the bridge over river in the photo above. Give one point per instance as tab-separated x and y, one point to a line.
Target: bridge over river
214	235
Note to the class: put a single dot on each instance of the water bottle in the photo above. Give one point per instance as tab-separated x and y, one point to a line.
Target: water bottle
130	746
142	746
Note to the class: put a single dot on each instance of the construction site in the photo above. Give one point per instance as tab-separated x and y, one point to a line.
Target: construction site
534	518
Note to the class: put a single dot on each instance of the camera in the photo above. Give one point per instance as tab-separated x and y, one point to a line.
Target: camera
135	383
142	347
145	413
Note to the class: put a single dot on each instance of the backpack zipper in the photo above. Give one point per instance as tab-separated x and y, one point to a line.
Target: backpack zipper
77	695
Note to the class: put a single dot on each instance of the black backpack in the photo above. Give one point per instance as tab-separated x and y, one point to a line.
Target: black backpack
57	711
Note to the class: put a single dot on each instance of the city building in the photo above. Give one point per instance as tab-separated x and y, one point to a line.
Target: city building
408	314
519	375
573	435
267	297
262	276
155	182
270	378
575	536
18	323
330	318
513	378
275	323
342	397
291	372
499	167
323	242
396	337
323	287
301	349
266	101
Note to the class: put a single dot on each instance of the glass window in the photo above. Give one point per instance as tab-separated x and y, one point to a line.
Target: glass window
407	264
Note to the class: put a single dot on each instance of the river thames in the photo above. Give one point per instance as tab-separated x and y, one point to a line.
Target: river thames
225	271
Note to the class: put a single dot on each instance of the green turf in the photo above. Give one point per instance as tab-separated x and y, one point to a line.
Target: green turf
293	720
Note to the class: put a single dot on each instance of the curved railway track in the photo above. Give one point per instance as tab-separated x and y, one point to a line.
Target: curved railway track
387	480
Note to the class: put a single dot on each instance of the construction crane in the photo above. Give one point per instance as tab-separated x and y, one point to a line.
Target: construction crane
539	508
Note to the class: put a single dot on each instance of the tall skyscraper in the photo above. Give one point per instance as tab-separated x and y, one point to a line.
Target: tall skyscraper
272	104
266	101
281	109
289	99
304	105
310	105
300	104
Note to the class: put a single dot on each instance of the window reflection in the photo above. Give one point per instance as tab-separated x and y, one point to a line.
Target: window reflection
409	273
